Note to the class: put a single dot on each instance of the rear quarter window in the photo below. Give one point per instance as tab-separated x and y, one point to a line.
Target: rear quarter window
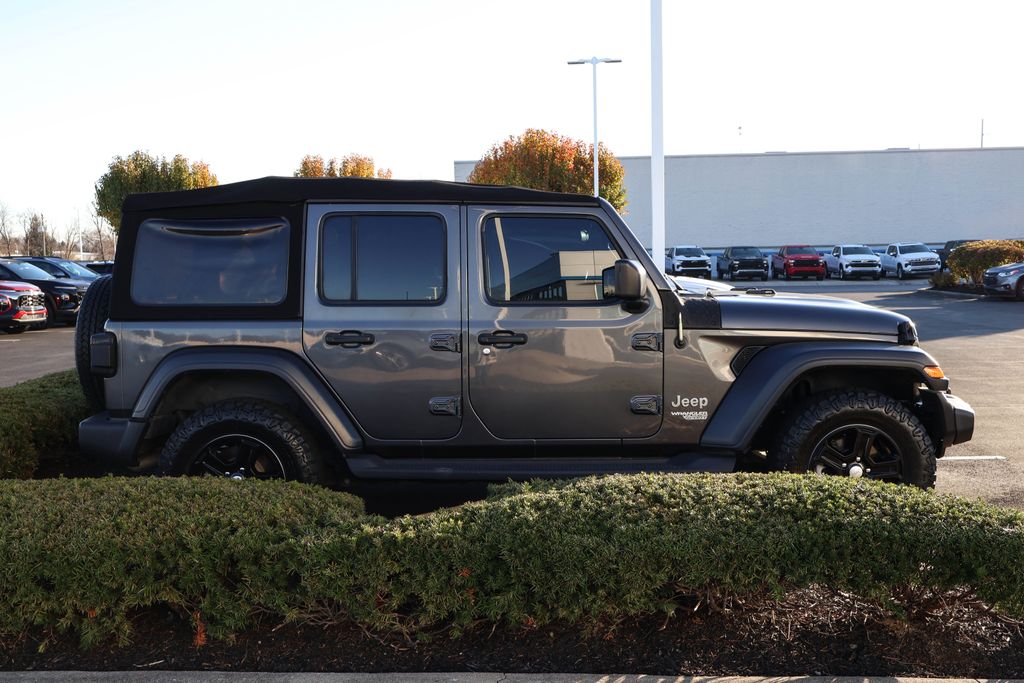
226	262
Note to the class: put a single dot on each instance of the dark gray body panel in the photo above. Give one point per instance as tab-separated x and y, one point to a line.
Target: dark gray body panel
805	313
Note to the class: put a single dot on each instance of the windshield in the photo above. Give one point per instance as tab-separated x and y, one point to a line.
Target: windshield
913	248
77	270
746	252
857	250
793	251
689	251
28	271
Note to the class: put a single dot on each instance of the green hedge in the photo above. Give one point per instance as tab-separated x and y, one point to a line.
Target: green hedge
37	418
971	260
86	553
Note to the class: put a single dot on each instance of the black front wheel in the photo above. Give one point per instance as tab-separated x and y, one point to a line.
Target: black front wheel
242	439
859	433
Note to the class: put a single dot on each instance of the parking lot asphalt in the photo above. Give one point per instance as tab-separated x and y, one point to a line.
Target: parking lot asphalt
35	353
979	343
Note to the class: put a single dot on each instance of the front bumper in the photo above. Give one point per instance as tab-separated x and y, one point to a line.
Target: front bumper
111	440
693	271
949	419
921	269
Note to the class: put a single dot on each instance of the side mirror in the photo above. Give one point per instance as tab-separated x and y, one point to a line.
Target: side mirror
626	280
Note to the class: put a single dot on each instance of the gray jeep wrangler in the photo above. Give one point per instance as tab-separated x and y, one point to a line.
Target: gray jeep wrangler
315	328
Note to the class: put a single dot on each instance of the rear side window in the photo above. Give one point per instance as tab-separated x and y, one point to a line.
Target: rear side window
383	258
229	262
545	259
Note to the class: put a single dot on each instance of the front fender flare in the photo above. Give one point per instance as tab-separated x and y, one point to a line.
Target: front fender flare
772	371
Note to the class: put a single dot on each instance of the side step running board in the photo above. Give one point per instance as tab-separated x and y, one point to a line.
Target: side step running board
369	466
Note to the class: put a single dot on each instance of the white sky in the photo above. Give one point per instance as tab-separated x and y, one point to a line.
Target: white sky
250	87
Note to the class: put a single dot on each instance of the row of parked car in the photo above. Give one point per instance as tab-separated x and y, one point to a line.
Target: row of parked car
38	291
902	260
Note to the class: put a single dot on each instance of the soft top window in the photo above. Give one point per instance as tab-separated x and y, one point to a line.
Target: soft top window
227	262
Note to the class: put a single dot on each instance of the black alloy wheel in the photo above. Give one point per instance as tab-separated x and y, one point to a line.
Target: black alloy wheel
238	456
858	450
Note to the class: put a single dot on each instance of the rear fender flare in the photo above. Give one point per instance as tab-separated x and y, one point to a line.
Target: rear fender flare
285	365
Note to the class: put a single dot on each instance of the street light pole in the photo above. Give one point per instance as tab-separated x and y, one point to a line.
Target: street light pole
594	61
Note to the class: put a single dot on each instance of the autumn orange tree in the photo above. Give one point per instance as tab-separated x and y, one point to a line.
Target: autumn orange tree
544	160
351	166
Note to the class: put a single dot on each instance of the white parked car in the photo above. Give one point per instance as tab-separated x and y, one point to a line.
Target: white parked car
906	259
687	260
852	260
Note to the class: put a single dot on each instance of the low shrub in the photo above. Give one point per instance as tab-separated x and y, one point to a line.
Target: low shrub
971	260
87	553
40	417
943	279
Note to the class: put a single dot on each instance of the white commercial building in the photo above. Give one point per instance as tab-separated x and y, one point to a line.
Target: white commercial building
826	198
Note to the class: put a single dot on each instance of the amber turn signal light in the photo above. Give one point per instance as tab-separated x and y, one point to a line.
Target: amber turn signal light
934	371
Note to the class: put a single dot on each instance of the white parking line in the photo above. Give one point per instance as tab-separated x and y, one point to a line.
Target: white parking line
972	457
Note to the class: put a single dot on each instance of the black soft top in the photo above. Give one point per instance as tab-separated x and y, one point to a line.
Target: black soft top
286	190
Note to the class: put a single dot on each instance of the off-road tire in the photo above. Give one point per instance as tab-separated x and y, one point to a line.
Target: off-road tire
268	422
92	315
821	413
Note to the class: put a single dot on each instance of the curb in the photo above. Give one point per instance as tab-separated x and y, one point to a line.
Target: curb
942	292
235	677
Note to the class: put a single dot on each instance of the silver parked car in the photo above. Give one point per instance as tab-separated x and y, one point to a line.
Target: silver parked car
1005	280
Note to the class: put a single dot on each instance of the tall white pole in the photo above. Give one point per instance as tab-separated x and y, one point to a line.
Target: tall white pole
657	140
597	190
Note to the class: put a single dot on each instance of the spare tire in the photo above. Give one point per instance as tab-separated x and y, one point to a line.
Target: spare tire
92	315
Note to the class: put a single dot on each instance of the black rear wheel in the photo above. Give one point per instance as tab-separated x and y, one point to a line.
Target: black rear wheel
15	330
243	439
858	433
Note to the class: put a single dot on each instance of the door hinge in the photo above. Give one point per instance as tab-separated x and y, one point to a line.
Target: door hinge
647	341
446	342
645	405
445	405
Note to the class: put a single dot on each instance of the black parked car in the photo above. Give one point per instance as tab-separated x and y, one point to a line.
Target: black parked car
63	295
60	268
737	262
99	267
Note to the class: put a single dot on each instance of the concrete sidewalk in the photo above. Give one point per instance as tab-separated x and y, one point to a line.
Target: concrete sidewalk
226	677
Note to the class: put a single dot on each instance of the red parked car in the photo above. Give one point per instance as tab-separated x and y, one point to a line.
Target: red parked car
21	305
797	260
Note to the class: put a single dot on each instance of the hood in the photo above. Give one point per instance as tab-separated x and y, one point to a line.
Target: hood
810	313
12	286
1003	269
920	254
803	257
66	283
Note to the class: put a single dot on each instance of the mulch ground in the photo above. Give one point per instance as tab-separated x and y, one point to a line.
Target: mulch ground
809	632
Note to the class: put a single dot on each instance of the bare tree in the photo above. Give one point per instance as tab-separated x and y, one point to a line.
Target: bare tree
101	236
70	239
36	240
8	240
